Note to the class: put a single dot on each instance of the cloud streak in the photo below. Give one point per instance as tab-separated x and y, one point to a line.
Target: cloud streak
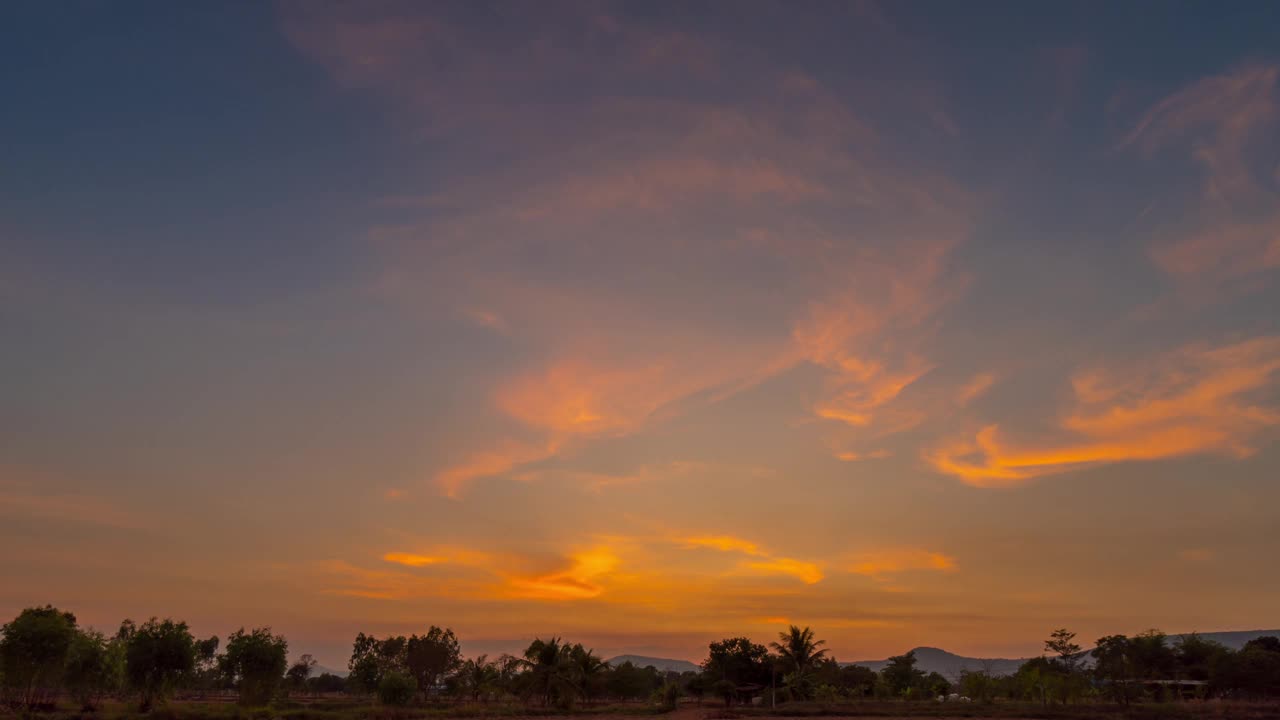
1196	400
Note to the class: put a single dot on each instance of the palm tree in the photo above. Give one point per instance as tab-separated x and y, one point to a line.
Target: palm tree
551	671
478	676
589	670
798	652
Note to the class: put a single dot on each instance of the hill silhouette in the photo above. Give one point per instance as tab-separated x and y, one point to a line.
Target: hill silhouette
663	664
949	665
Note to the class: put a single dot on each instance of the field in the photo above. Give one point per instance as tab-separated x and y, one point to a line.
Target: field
344	709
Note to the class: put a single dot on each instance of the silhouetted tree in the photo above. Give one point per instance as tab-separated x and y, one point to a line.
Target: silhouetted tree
90	672
396	688
157	656
34	651
256	661
797	653
901	674
431	657
299	672
550	672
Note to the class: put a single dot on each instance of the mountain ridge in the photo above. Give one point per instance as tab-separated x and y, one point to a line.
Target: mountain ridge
950	665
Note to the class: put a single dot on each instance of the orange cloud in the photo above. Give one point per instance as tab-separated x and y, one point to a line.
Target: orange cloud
975	388
506	455
724	543
412	559
888	562
580	580
577	398
807	572
1195	400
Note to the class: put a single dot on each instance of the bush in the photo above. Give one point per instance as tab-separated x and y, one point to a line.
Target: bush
396	689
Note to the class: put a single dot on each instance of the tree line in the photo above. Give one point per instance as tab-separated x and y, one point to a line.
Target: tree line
45	655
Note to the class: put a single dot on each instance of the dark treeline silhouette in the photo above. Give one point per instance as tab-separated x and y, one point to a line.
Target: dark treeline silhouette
45	655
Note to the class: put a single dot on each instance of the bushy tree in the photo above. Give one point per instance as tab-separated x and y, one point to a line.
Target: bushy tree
901	674
626	681
396	688
207	675
372	658
978	685
326	683
431	657
934	684
1113	664
1254	671
1197	657
299	672
739	661
90	672
157	656
34	652
256	661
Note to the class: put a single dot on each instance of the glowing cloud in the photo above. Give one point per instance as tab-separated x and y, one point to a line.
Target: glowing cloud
889	562
579	581
807	572
1195	400
724	543
412	559
804	571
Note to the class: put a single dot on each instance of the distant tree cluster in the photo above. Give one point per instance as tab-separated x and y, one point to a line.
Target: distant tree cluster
1145	667
45	655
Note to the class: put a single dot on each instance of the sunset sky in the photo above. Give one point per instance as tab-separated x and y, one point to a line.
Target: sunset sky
642	323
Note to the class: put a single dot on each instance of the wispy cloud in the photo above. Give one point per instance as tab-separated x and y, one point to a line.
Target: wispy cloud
886	563
1224	123
19	501
1199	399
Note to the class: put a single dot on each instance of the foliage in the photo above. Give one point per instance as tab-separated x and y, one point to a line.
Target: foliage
431	657
797	654
978	686
550	672
478	678
1062	644
257	662
739	661
157	655
901	674
91	670
34	651
299	672
326	683
396	688
372	658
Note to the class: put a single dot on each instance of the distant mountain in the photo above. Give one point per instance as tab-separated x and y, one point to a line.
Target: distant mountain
1234	639
663	664
949	665
319	670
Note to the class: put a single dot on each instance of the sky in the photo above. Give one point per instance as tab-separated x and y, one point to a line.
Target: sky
642	323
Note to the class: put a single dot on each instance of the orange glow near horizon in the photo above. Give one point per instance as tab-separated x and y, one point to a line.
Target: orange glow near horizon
641	326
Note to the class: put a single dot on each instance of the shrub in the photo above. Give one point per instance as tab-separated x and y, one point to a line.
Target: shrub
396	689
